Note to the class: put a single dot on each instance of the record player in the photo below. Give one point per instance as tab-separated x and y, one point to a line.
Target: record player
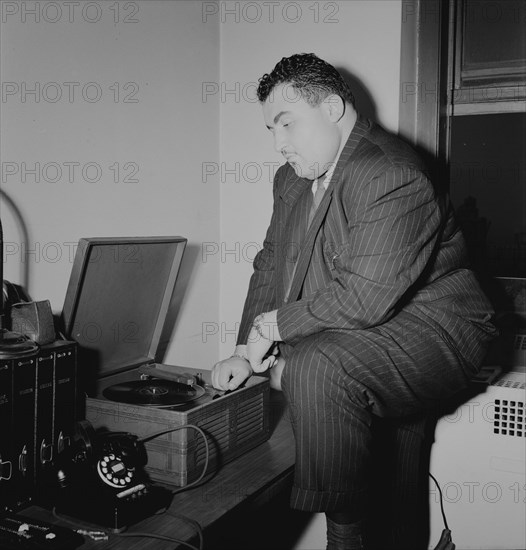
119	308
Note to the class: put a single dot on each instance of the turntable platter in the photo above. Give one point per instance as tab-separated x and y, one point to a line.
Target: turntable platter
153	393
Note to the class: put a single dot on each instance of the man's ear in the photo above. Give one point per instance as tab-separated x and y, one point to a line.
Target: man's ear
334	107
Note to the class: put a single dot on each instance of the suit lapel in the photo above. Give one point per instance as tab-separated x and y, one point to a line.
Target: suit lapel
293	188
296	195
361	128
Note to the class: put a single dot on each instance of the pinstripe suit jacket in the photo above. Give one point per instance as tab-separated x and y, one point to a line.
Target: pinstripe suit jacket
382	240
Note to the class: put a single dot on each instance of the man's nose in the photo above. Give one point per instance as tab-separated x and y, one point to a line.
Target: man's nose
279	141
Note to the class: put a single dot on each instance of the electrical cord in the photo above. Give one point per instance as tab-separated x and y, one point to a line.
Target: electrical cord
159	537
194	523
445	542
104	534
441	500
207	451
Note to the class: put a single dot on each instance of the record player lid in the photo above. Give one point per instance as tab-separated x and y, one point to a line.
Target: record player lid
119	298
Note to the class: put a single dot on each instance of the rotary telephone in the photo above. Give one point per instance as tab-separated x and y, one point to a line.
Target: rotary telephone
111	461
100	477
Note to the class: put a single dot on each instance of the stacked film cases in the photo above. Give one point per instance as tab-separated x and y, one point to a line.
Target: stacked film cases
38	411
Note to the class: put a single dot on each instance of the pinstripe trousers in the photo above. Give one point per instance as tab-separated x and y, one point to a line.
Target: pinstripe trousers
337	382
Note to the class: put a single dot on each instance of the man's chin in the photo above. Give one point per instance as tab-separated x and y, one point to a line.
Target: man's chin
306	174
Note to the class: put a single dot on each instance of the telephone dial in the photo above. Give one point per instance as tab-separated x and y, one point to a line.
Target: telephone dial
108	459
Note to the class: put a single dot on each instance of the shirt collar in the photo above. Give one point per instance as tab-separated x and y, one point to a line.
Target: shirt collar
327	179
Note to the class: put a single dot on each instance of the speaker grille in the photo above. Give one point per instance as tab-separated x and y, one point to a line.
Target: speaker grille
509	418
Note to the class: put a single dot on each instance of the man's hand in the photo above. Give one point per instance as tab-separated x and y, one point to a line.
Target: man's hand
275	374
230	373
257	348
263	335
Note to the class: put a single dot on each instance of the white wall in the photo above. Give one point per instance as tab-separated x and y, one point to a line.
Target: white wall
147	62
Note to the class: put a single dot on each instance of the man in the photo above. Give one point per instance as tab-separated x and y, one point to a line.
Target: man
362	306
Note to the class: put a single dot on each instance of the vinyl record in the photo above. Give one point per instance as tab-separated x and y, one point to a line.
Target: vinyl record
14	345
153	393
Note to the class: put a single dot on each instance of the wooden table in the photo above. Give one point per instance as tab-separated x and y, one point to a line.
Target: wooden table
238	488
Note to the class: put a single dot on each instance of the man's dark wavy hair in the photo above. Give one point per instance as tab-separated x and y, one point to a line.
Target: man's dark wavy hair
313	78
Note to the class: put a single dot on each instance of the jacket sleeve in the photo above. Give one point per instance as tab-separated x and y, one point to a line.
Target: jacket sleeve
261	295
391	237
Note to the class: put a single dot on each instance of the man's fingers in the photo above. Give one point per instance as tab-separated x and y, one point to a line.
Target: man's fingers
237	380
264	365
214	375
275	374
220	375
225	374
258	367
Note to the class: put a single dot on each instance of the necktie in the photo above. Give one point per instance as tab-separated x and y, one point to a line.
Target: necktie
316	199
318	195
